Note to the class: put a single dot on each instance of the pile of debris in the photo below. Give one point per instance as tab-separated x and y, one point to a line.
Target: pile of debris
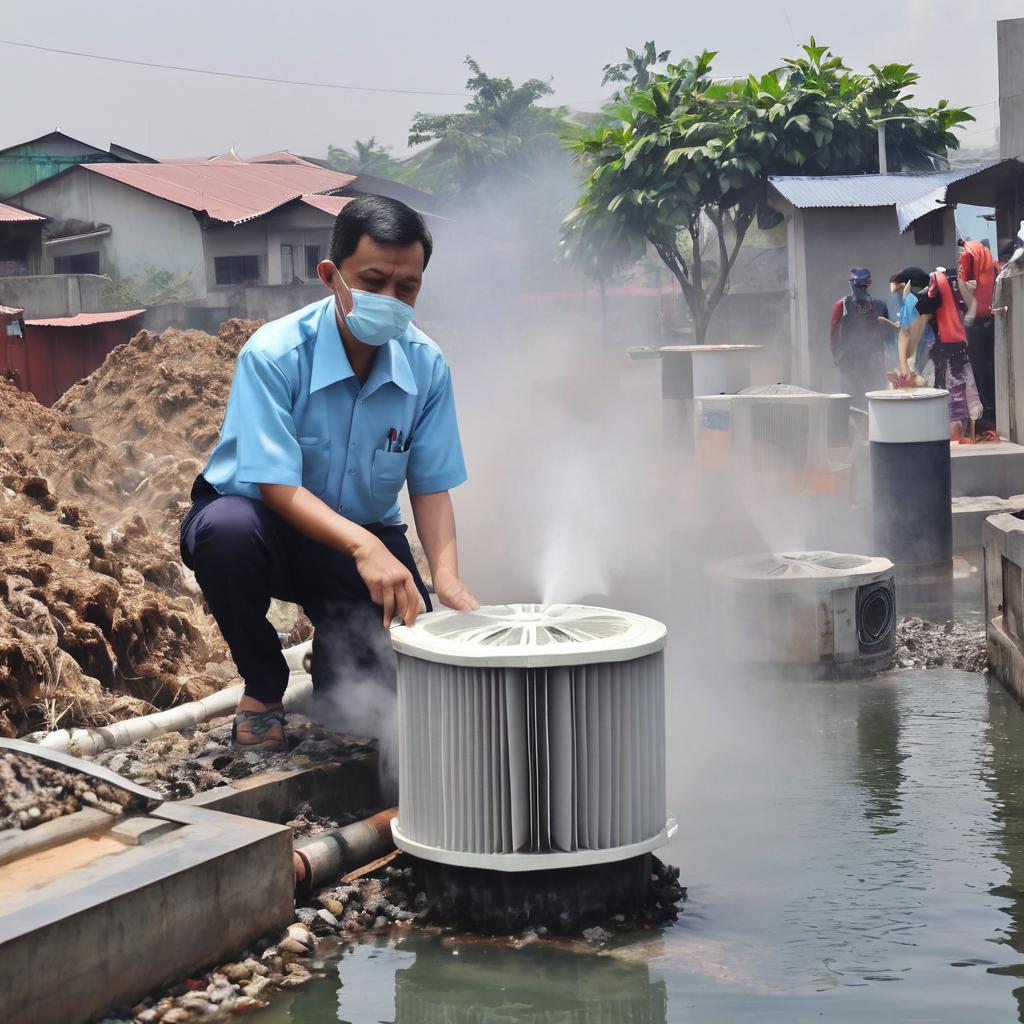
178	765
98	618
924	644
34	791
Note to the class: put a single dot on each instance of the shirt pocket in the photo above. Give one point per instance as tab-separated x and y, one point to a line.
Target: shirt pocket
387	475
316	460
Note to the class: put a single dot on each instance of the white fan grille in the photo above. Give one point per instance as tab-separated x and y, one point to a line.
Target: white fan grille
532	760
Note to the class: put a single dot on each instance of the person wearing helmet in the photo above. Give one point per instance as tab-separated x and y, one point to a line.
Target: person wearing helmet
857	338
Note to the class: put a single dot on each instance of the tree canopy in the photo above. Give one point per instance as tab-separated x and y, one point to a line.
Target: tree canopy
681	160
365	158
502	133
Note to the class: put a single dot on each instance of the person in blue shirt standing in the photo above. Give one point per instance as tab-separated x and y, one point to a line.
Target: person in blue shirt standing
332	410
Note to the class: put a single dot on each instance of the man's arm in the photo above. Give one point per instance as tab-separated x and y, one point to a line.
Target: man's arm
909	340
435	527
390	583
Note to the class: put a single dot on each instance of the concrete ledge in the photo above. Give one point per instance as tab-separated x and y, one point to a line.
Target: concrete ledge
331	789
104	934
970	513
1005	660
985	469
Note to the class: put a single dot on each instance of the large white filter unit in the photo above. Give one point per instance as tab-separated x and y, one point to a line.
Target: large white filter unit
531	736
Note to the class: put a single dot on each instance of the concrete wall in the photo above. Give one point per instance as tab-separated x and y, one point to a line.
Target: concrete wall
823	246
1010	353
1010	46
57	294
143	229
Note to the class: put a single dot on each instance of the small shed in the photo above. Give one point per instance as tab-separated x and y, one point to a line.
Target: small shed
880	221
56	352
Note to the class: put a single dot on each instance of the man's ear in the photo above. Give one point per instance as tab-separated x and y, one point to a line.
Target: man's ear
326	270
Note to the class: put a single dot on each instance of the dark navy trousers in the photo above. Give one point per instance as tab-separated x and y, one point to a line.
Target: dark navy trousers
243	554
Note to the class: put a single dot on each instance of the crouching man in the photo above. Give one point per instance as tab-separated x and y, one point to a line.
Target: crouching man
332	409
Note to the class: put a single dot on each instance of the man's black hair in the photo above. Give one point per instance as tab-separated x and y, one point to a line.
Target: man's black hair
917	277
385	220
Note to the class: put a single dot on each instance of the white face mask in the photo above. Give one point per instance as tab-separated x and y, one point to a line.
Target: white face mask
375	319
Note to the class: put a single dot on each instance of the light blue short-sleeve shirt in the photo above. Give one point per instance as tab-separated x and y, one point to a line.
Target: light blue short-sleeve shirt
297	415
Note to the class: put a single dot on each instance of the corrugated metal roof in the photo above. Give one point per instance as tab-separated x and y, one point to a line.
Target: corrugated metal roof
86	319
328	204
12	215
230	191
913	194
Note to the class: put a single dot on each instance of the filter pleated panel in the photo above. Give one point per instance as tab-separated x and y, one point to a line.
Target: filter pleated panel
531	760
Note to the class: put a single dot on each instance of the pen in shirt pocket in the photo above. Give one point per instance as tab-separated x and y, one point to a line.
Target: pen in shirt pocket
408	441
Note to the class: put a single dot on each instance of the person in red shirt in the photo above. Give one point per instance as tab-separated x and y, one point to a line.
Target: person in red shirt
953	371
977	274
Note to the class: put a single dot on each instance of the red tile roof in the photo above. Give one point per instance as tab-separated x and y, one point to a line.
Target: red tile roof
85	319
328	204
229	191
12	215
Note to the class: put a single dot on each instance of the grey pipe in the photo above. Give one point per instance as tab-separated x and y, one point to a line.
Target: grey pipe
322	858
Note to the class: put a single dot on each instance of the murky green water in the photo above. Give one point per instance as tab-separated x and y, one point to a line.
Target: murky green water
854	851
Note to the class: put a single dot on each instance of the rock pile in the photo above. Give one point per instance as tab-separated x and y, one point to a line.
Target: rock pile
32	791
179	765
924	644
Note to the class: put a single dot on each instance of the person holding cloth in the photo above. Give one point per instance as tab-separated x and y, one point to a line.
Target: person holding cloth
332	410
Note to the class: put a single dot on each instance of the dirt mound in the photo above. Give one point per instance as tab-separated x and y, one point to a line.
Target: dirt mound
85	636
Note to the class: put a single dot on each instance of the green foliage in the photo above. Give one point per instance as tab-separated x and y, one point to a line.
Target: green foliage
681	161
153	287
502	134
365	158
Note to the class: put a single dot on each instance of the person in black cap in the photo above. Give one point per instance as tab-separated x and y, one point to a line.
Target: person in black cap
857	339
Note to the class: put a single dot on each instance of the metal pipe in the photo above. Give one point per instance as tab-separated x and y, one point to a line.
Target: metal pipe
322	858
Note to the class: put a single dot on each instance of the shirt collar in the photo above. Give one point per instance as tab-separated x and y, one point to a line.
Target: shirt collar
330	361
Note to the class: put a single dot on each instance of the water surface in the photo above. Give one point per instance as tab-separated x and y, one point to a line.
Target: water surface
854	851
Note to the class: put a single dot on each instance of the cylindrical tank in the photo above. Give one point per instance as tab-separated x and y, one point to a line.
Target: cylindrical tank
908	432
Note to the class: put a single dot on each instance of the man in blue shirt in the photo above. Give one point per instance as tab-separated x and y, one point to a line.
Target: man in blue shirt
332	409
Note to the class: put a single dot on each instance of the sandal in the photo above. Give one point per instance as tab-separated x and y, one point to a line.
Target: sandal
259	730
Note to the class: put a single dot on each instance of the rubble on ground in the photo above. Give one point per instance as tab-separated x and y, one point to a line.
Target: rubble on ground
924	644
33	791
178	765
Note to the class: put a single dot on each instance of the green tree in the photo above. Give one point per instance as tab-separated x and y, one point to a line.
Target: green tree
681	162
365	158
502	133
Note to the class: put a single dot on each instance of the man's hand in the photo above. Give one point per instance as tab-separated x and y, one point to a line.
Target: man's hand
452	593
390	583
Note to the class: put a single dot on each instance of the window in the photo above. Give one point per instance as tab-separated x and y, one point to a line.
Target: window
81	263
312	260
236	269
928	229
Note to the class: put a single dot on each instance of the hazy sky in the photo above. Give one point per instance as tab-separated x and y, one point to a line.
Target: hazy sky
421	46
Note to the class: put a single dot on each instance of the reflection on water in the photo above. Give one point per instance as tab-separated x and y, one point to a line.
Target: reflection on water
852	851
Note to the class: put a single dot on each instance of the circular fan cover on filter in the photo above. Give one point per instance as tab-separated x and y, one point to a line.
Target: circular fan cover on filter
794	565
529	634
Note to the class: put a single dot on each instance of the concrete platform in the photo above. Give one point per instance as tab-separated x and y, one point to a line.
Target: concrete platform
987	469
970	513
98	922
1004	599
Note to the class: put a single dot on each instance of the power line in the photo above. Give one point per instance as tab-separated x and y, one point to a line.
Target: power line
230	74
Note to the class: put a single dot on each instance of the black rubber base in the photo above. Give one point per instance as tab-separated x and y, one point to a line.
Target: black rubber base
565	901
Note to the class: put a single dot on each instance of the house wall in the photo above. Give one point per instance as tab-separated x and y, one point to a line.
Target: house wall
13	236
143	229
24	166
824	245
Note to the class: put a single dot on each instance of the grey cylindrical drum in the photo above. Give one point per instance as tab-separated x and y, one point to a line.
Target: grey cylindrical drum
910	475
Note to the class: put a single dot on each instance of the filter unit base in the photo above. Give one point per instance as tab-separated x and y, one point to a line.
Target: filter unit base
531	862
564	902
